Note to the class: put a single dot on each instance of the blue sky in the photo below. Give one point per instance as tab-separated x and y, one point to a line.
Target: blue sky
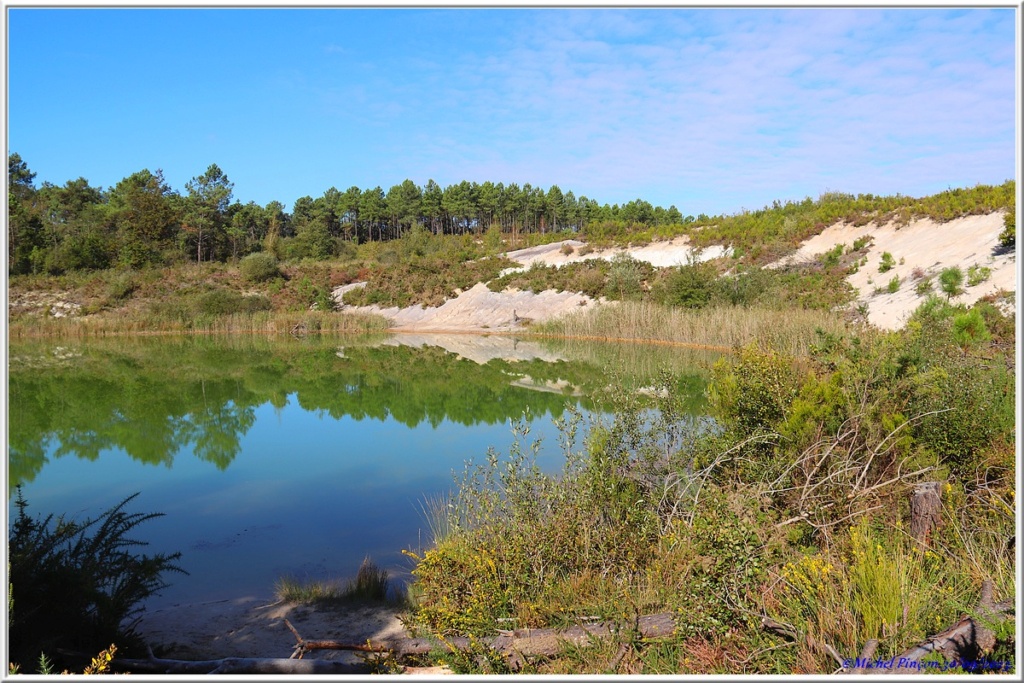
710	110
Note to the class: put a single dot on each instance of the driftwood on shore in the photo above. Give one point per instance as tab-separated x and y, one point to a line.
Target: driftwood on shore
516	645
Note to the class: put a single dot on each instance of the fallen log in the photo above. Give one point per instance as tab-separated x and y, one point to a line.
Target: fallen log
516	645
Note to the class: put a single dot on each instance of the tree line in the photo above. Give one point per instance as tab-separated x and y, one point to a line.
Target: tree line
143	221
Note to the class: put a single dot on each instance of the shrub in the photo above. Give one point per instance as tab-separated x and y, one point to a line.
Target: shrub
886	263
950	280
689	286
966	404
1008	237
259	267
862	242
969	329
977	274
754	396
75	584
567	249
121	287
727	561
894	285
626	277
831	258
923	287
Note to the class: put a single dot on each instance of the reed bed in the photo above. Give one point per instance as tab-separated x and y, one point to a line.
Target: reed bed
263	322
790	331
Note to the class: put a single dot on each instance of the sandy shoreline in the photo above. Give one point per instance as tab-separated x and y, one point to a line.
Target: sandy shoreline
255	627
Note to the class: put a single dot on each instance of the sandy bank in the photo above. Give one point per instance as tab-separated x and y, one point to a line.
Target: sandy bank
920	250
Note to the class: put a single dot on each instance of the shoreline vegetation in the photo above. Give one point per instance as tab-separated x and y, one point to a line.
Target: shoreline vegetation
784	533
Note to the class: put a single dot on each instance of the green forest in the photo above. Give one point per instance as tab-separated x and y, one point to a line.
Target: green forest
143	221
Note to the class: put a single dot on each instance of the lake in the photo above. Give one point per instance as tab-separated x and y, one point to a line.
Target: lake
294	456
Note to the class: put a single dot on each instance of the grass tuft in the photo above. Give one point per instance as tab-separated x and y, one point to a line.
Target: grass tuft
371	584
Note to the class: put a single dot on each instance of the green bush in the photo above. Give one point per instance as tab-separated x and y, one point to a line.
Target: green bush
76	584
887	262
754	395
688	286
121	287
626	277
950	280
977	274
862	242
259	267
969	329
831	258
1008	237
894	285
728	560
966	404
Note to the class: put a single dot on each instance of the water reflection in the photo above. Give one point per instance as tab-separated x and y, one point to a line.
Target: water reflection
273	456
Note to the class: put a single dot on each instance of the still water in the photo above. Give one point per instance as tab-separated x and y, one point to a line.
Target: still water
298	457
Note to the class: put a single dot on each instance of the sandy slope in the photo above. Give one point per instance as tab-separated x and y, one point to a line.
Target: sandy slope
478	309
922	247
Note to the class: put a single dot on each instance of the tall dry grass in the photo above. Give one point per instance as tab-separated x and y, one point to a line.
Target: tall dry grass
789	331
264	322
